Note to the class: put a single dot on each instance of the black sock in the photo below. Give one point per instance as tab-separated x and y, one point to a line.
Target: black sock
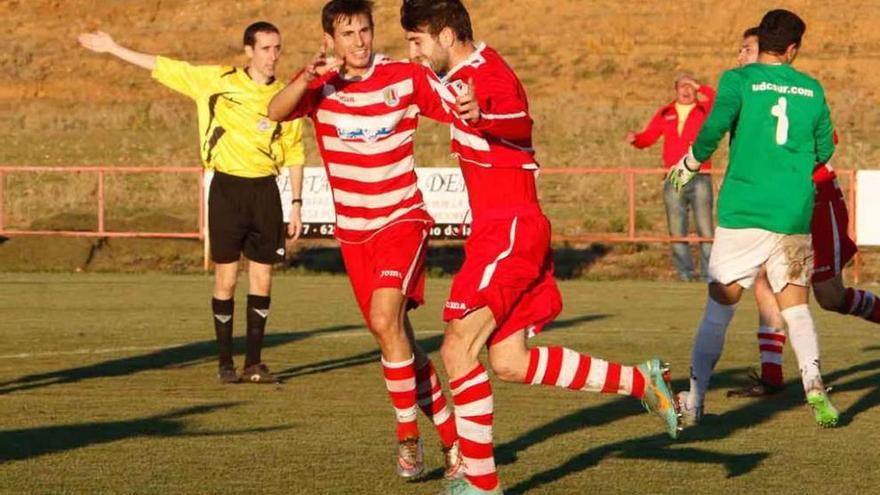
257	314
223	328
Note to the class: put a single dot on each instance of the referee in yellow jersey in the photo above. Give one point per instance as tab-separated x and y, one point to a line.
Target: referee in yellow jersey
246	151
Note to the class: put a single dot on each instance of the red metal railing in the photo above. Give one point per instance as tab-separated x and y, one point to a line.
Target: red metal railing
631	235
101	231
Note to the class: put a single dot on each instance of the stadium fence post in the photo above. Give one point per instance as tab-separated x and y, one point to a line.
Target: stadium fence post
631	192
2	210
853	231
203	222
100	201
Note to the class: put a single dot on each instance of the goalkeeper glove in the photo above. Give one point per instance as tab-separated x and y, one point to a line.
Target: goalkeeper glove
682	172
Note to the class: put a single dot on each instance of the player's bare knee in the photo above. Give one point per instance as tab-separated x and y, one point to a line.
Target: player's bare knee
451	355
507	372
509	364
383	325
456	351
224	287
725	294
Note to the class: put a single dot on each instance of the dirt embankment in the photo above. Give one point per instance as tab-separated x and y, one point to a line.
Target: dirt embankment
593	69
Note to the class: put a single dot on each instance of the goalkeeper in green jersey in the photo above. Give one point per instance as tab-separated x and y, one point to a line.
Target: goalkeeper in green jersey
780	127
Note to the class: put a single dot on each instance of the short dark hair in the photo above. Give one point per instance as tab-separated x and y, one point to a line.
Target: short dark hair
250	34
778	30
435	15
336	9
752	31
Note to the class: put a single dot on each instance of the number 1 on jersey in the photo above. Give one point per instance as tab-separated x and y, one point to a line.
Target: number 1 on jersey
780	112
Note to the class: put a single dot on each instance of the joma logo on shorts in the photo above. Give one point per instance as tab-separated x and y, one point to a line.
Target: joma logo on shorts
455	305
391	273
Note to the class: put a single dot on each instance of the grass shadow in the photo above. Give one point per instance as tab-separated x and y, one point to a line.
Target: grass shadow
428	344
595	415
446	259
714	427
171	357
28	443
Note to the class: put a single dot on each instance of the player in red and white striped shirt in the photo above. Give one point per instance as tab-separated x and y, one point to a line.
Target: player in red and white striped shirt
505	291
365	109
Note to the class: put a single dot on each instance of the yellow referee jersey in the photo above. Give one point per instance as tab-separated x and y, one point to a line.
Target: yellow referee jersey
236	136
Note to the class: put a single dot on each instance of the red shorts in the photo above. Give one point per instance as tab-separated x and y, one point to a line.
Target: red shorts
832	246
508	267
392	259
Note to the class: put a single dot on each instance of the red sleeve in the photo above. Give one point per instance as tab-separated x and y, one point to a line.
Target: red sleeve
709	95
426	97
651	133
504	108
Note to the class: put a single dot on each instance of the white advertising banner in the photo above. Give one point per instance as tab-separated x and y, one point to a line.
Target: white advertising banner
443	189
867	207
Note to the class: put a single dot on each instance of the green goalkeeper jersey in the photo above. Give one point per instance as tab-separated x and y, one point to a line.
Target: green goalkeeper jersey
780	128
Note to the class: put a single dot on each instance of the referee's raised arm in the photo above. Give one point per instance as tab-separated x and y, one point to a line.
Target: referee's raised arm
101	42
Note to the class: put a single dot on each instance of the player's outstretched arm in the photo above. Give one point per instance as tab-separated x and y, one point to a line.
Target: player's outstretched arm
286	101
824	135
684	171
101	42
283	103
724	113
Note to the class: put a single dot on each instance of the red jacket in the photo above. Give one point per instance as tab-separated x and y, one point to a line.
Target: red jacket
665	123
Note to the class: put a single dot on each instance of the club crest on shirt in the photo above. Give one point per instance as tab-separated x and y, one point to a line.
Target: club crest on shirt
264	124
392	99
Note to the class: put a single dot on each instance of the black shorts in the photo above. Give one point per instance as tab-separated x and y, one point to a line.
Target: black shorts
244	216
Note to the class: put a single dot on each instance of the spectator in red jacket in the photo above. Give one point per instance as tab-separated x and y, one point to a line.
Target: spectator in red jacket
678	123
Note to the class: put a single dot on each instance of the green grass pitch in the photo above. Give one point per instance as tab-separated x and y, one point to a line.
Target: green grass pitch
107	386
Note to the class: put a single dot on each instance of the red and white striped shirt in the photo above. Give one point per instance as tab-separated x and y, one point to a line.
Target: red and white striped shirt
364	128
503	136
496	155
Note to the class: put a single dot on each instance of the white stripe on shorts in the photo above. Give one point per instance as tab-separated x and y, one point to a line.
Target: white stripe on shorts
490	270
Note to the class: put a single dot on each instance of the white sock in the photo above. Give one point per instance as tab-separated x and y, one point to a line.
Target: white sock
708	345
802	335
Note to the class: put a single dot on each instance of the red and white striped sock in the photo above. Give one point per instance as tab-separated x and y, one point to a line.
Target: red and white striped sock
862	303
771	342
561	367
400	380
433	404
472	396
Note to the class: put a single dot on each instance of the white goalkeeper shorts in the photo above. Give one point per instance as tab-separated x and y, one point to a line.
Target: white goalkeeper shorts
738	255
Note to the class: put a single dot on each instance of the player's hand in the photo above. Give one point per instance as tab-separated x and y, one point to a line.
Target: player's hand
684	171
321	65
467	106
295	227
98	42
630	137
